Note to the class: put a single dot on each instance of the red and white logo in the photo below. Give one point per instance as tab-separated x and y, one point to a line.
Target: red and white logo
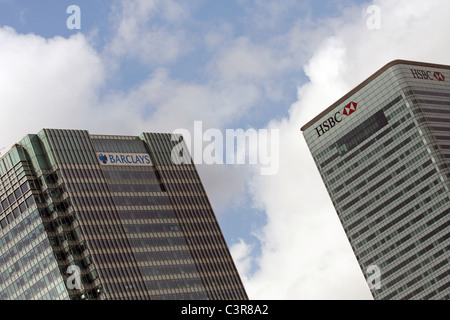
334	120
427	75
350	108
439	76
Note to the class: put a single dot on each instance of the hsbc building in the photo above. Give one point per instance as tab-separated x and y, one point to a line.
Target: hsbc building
383	152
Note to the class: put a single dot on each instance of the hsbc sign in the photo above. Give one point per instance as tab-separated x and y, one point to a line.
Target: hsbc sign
331	122
427	75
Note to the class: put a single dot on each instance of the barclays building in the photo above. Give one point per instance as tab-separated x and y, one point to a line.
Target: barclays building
108	217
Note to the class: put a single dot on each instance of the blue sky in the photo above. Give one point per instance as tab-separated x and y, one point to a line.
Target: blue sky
159	65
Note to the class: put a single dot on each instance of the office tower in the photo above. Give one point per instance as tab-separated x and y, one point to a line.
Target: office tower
383	152
108	217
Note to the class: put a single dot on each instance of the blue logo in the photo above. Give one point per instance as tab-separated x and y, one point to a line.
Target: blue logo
103	158
124	159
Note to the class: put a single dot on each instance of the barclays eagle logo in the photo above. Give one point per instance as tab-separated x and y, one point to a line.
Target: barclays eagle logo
103	158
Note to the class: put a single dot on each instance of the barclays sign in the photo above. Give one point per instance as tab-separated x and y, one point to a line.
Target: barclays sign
124	159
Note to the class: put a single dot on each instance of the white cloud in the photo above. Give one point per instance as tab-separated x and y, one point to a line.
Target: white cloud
245	61
241	253
149	31
305	254
45	83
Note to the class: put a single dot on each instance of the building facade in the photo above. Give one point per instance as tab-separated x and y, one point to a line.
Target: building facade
383	152
108	217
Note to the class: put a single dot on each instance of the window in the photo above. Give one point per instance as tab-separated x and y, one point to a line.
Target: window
5	204
16	212
17	193
25	187
22	207
30	201
11	198
361	132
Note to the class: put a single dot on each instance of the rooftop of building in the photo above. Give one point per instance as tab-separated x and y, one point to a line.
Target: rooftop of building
368	80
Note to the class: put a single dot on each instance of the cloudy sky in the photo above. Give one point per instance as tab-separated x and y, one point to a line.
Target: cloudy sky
161	65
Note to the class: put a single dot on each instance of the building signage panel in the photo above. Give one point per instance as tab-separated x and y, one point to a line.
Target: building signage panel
334	120
124	159
427	75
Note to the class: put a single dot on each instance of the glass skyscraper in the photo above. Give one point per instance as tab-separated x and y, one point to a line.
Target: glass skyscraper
108	217
383	152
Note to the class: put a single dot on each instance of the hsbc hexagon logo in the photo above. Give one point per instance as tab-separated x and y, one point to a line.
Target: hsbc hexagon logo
350	108
439	76
331	122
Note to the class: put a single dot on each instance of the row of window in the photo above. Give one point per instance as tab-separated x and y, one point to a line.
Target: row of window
93	187
119	288
389	201
119	146
385	180
57	292
436	111
153	271
18	229
147	187
427	93
31	275
142	201
435	292
388	189
446	120
419	255
219	294
87	187
440	128
433	102
420	265
152	227
28	203
75	173
380	160
157	242
22	263
174	284
377	161
147	214
130	175
182	296
398	219
418	242
14	196
27	257
388	167
397	112
119	279
422	283
175	255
